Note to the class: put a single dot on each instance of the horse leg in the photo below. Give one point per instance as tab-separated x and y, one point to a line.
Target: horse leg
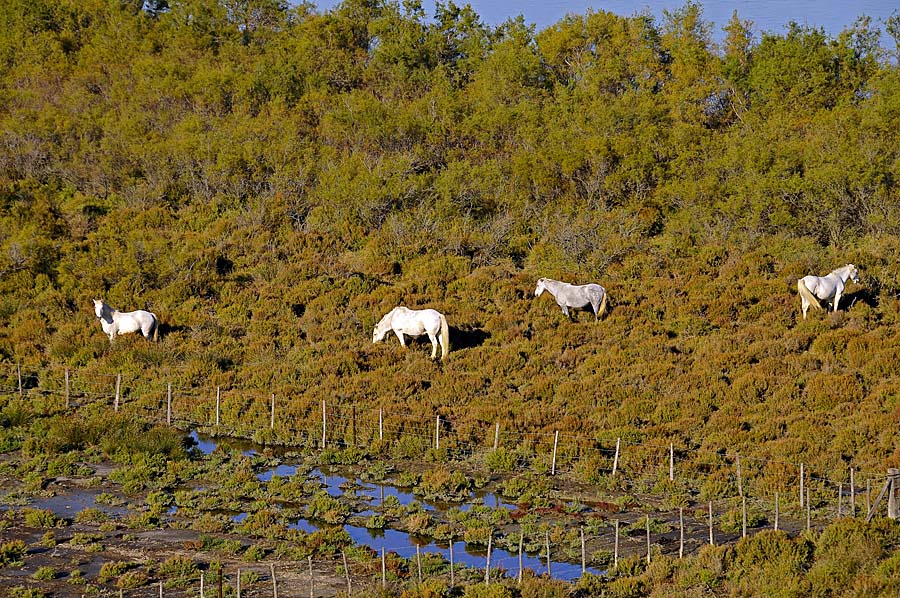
837	297
804	306
400	336
434	345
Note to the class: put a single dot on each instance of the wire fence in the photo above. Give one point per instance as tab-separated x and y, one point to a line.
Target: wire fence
725	496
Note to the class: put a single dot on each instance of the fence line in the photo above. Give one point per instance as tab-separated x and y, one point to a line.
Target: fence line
569	449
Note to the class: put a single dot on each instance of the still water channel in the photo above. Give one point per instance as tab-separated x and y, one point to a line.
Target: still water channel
399	542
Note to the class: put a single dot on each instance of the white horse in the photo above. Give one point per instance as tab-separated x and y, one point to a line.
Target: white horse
415	322
570	295
815	288
116	322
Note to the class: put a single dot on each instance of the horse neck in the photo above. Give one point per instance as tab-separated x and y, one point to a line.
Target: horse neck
384	323
553	286
843	273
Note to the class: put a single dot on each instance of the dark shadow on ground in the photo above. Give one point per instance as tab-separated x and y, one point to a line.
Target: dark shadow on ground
467	338
859	296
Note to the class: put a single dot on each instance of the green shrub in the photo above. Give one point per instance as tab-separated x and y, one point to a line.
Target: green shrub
179	571
23	592
255	552
91	515
111	570
325	507
43	518
12	553
45	573
130	580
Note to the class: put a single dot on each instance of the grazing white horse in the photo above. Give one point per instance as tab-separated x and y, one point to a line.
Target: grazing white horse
825	288
570	295
116	322
415	322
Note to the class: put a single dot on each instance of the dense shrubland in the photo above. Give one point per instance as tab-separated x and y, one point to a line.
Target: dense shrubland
271	180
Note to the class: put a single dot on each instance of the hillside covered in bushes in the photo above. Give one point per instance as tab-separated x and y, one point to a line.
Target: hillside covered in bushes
271	179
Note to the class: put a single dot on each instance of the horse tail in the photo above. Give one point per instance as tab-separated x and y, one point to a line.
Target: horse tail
155	327
602	309
445	337
806	294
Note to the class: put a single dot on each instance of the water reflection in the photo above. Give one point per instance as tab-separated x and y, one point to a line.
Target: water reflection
304	525
207	444
332	483
283	471
68	505
403	543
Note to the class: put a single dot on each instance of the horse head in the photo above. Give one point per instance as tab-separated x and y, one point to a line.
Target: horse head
540	287
99	307
382	327
854	273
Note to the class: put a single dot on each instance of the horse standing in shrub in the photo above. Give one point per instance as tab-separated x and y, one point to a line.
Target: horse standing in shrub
116	322
415	322
812	289
577	296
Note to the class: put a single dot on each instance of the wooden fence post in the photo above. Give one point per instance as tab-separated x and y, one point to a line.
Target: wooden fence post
547	543
221	582
272	414
648	539
275	581
323	423
801	485
218	404
353	425
238	583
19	376
680	532
118	386
202	595
496	436
671	462
894	480
583	555
437	433
169	404
380	423
852	494
711	539
452	572
67	388
884	490
346	573
521	542
616	458
487	563
383	571
312	580
616	548
555	443
739	480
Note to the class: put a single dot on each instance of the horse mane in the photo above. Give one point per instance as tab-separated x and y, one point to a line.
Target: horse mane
386	318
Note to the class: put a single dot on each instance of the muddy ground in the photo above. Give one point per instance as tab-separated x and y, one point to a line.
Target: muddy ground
71	556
